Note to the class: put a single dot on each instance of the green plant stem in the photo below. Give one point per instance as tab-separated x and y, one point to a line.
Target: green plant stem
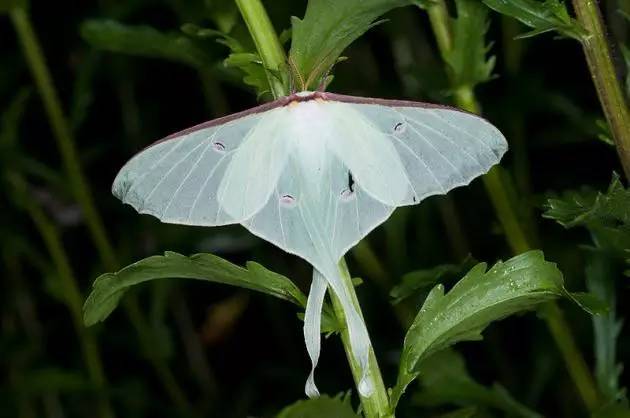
377	405
62	133
516	235
66	144
267	43
506	210
578	369
505	207
73	300
605	78
438	13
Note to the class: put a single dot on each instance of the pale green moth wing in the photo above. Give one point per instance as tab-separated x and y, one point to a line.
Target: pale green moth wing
440	147
183	179
313	173
390	153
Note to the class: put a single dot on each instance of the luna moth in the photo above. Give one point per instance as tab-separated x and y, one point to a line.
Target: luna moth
312	173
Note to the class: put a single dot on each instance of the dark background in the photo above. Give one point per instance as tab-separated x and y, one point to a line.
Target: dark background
253	360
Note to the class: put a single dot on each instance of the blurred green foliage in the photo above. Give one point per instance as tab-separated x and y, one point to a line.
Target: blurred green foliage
209	352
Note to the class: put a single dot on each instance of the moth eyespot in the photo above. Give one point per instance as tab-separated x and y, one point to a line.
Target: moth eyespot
219	146
400	127
287	200
346	194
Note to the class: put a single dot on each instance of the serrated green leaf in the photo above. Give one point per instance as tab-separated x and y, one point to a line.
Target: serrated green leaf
478	299
606	216
586	208
444	380
468	60
241	57
418	280
252	67
144	41
109	288
542	16
328	27
323	406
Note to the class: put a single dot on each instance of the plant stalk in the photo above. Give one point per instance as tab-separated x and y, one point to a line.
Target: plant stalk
267	43
438	13
62	133
576	365
605	78
73	300
377	405
515	231
72	166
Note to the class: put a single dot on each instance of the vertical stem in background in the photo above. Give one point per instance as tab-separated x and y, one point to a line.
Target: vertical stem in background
73	300
515	231
506	209
267	43
377	405
605	78
62	133
573	357
65	144
438	13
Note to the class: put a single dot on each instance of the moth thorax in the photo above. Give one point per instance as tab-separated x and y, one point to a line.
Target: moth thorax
304	93
312	126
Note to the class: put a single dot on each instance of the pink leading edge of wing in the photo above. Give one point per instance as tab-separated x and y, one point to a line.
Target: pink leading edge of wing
297	97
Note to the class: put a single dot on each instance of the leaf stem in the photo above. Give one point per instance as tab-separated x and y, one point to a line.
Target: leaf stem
377	405
605	78
505	206
267	43
66	145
